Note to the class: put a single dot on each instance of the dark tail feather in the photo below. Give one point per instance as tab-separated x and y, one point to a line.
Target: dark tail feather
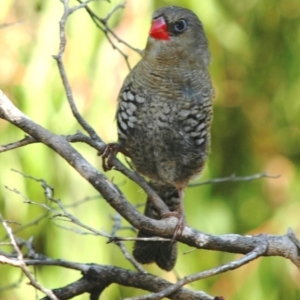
164	254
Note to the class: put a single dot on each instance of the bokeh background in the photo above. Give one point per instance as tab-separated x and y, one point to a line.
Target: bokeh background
256	73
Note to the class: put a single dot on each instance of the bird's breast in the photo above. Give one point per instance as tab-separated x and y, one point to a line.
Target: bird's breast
164	122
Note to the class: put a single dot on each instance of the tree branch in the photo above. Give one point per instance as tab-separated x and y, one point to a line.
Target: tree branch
191	278
233	177
27	140
59	59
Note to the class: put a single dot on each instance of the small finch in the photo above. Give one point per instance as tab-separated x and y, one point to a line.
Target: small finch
164	118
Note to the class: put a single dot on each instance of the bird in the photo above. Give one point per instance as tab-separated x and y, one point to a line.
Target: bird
164	117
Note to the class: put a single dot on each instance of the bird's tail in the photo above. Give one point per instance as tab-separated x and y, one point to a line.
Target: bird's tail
164	254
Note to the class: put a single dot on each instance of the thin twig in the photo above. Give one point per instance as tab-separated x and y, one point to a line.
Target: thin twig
62	71
99	146
27	140
257	252
117	226
28	201
48	190
29	224
21	264
64	215
83	201
76	230
130	258
233	177
102	24
57	214
81	5
105	21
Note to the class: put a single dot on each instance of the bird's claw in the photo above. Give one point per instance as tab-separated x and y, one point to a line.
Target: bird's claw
109	152
180	224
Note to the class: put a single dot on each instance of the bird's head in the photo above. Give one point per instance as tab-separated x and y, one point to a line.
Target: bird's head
176	31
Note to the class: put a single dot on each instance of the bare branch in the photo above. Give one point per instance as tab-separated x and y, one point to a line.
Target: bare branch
98	145
191	278
117	226
83	201
28	201
63	213
102	24
98	277
109	15
81	5
48	190
29	224
233	177
27	140
19	262
107	28
63	75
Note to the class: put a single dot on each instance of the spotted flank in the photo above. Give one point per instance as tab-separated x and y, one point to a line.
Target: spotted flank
126	114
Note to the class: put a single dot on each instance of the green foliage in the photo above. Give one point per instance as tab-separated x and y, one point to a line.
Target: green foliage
255	70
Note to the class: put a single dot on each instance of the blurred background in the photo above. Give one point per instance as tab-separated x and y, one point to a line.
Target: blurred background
256	74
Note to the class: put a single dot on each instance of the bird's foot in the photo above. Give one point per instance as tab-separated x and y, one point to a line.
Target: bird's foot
180	224
109	153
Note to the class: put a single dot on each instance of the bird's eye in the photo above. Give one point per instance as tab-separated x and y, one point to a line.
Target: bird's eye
180	26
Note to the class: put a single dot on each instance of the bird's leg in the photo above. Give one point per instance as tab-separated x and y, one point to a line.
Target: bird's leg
178	214
109	152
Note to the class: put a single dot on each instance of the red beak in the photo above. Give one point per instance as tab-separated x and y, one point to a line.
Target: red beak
159	29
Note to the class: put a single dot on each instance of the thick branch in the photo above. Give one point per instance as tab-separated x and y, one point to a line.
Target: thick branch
97	277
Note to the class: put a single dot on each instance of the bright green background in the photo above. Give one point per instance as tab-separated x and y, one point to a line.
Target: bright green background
256	73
